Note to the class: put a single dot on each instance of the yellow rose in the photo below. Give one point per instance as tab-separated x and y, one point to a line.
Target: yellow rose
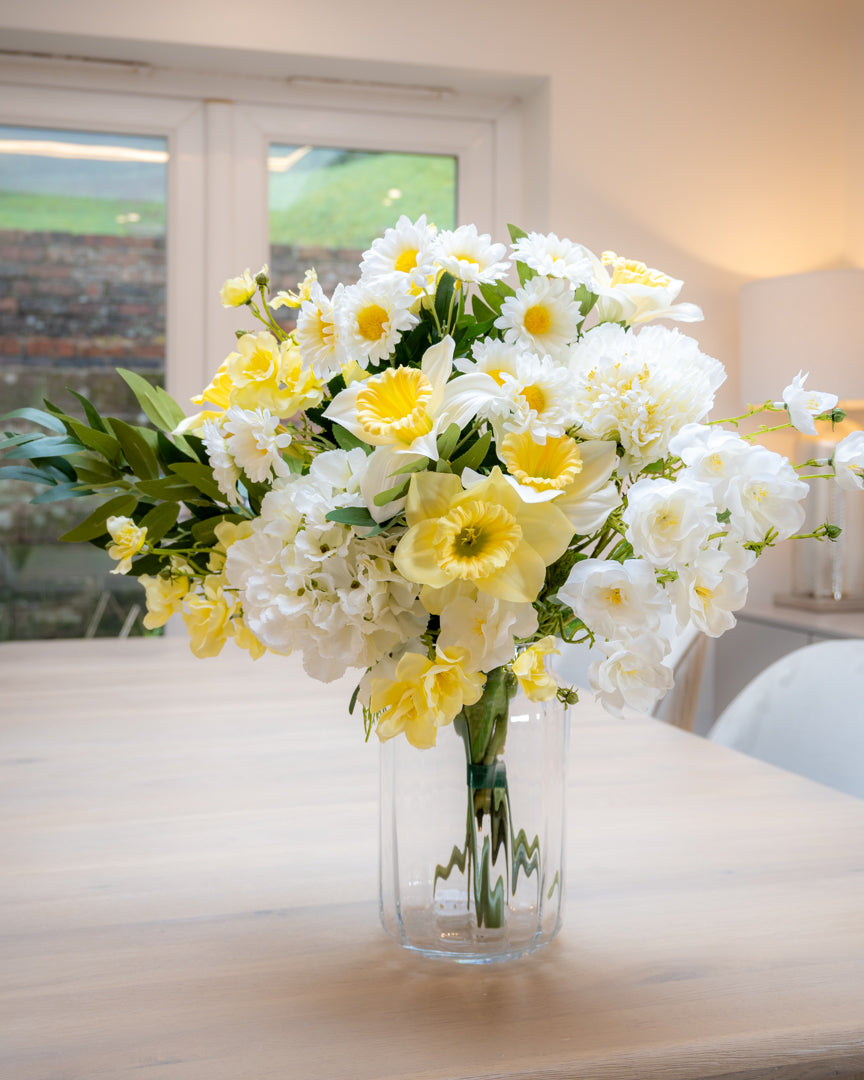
529	667
128	540
164	597
266	373
423	696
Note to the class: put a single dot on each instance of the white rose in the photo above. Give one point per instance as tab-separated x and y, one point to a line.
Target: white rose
711	455
848	462
632	674
766	496
611	598
803	404
669	521
708	592
485	628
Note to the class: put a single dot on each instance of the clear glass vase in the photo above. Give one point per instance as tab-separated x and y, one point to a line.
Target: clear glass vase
472	844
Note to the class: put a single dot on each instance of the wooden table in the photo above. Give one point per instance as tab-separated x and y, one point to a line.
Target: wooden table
188	892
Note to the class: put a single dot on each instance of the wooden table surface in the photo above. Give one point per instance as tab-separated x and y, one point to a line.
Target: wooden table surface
189	882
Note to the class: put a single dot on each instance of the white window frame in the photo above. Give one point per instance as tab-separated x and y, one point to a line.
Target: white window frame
181	122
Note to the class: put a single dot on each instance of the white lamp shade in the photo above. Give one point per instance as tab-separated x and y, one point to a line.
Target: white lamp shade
803	322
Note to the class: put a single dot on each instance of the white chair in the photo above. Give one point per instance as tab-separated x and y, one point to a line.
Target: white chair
804	713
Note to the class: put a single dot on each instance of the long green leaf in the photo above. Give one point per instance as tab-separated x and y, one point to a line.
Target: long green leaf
347	440
102	443
36	416
169	487
201	476
447	441
94	525
474	455
67	490
90	411
156	403
136	449
52	445
28	475
352	515
160	520
384	497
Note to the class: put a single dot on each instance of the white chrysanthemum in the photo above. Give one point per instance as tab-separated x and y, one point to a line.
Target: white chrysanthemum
614	599
804	405
848	462
486	628
535	398
225	471
633	674
554	257
641	388
766	496
543	316
406	250
254	444
668	521
370	320
708	592
315	585
316	334
470	256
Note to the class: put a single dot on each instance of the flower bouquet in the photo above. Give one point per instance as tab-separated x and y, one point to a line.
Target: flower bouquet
435	478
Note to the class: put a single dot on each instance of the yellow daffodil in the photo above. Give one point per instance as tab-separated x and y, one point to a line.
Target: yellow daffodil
529	667
574	474
164	594
484	536
128	539
423	695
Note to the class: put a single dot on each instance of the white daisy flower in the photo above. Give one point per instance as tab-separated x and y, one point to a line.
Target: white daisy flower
493	357
253	443
405	250
543	316
470	256
535	398
371	318
316	333
556	258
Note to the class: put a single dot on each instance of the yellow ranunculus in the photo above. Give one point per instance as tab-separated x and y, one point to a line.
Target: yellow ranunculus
529	667
164	597
423	696
226	533
484	535
207	615
245	639
269	374
239	290
128	539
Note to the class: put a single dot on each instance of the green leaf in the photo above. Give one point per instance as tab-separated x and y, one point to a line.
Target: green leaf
157	404
160	520
346	440
397	492
475	454
42	446
96	470
413	466
205	531
93	417
169	487
481	312
94	525
585	299
516	233
36	416
67	490
100	441
136	449
444	299
201	476
496	294
525	272
447	441
357	516
28	475
170	451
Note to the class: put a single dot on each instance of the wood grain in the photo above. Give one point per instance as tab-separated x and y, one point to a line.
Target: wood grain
188	892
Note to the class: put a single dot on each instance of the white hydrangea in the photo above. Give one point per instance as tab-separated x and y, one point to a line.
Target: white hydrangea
641	388
315	585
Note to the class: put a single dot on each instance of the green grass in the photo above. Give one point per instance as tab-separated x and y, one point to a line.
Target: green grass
344	205
79	214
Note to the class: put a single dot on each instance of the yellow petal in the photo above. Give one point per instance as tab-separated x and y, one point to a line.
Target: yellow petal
430	495
415	555
520	580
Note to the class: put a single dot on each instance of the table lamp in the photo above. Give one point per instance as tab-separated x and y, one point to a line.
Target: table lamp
812	322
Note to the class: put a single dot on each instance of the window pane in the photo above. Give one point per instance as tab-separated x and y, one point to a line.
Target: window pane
328	205
82	291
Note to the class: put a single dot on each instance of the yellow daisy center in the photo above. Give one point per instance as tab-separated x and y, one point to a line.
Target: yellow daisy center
535	397
632	272
537	320
371	321
552	465
394	404
465	258
475	539
407	261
